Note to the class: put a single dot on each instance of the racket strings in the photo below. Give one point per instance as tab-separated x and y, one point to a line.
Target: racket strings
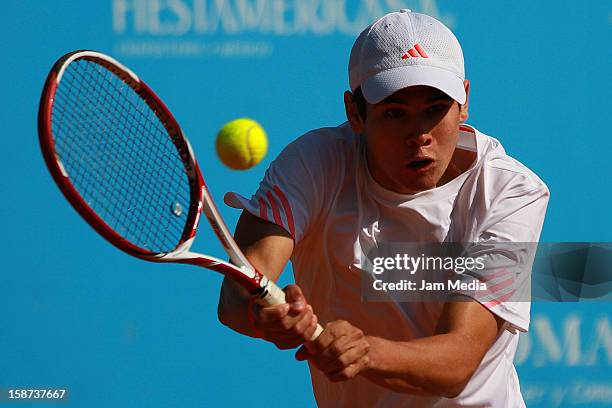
139	177
120	158
84	154
132	184
126	116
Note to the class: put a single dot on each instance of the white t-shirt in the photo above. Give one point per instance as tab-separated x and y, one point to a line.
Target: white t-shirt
319	189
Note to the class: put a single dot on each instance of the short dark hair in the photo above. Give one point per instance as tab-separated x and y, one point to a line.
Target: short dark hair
361	103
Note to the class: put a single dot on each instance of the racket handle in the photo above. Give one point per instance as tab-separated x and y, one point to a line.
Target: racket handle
275	296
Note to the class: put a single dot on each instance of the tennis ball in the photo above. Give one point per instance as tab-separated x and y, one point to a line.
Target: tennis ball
241	144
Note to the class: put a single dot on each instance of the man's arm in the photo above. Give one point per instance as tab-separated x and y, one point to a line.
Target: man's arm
268	247
438	365
441	364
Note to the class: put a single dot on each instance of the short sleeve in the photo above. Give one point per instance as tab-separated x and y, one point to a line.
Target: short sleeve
506	246
292	191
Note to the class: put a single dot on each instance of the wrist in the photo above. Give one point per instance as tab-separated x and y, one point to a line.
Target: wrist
374	355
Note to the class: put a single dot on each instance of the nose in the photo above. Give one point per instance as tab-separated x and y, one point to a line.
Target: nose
418	138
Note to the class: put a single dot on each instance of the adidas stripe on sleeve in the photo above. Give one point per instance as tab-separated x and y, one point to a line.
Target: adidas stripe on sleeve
292	191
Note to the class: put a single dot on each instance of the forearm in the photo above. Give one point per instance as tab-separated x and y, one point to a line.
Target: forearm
436	365
441	364
268	248
233	310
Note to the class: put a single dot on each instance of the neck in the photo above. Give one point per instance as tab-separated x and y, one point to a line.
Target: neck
461	161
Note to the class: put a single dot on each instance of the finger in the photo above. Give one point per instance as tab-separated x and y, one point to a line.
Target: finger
321	343
340	346
354	353
305	322
310	331
288	324
270	313
284	339
347	373
332	331
345	350
293	293
295	297
328	360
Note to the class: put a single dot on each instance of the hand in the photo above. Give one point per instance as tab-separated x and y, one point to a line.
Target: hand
288	325
341	351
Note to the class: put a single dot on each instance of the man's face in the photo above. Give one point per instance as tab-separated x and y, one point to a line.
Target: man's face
411	137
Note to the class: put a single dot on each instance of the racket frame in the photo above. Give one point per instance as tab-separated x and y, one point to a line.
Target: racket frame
240	269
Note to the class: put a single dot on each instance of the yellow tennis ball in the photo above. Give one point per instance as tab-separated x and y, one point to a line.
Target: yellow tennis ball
241	144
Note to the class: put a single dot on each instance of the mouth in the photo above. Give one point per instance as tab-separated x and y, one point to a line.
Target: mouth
421	164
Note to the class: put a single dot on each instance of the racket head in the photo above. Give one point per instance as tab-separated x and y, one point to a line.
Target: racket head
96	119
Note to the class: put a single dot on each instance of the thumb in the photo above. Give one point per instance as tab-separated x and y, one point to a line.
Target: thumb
295	297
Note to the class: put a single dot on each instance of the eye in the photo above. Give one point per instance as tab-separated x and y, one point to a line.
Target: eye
394	113
437	109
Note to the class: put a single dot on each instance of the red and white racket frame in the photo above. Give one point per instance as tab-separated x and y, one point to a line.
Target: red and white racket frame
240	269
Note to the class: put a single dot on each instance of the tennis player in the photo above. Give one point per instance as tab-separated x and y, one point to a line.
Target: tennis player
405	167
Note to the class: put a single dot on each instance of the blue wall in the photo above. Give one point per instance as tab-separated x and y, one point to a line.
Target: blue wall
75	312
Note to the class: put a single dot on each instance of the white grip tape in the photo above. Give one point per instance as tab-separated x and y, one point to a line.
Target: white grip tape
317	332
276	296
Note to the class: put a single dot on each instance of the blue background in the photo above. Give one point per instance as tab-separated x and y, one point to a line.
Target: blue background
75	312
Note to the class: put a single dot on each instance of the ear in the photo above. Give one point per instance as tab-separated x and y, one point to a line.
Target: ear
352	113
463	111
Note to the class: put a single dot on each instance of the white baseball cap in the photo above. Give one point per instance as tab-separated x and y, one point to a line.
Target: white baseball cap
405	49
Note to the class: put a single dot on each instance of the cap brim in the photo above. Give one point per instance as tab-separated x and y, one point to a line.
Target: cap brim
386	83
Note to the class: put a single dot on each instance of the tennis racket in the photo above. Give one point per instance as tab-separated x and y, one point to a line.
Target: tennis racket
122	161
